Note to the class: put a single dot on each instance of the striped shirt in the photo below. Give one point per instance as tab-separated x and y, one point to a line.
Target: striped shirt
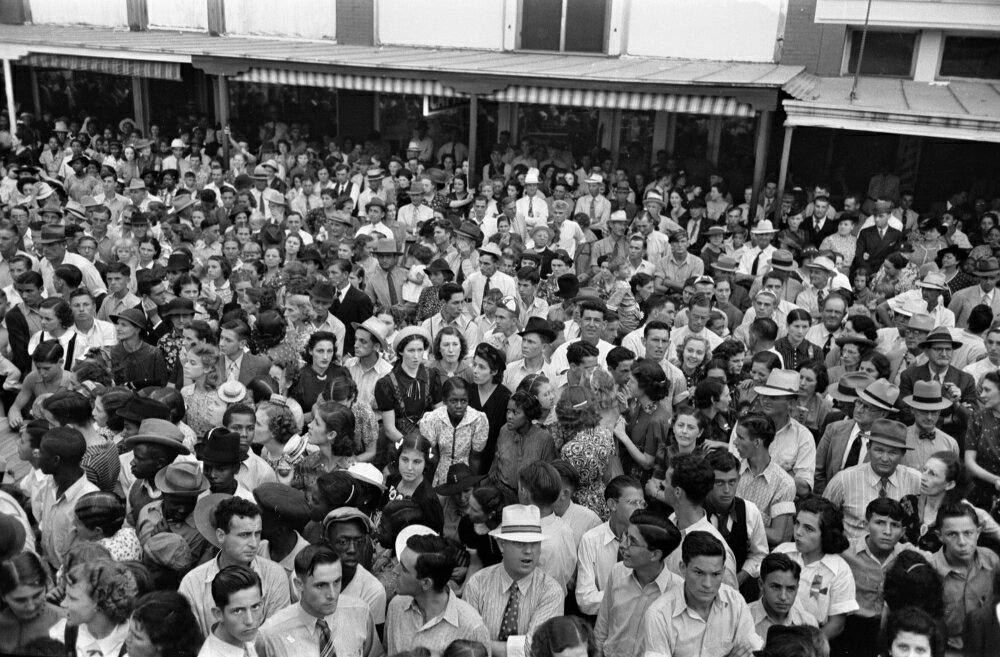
854	488
541	599
773	490
405	628
623	607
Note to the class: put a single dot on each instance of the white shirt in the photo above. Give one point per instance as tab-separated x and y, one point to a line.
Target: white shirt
91	278
560	363
101	334
596	556
216	647
475	287
539	211
570	236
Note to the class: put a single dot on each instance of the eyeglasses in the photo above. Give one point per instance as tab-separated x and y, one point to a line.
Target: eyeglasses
627	541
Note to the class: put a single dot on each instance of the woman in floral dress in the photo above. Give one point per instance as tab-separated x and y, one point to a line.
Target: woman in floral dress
588	447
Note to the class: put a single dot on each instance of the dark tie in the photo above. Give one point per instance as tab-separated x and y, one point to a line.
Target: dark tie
756	263
854	455
393	297
486	285
508	624
928	435
325	639
883	487
827	344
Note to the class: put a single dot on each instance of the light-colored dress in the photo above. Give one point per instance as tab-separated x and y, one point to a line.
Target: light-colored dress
203	409
845	246
454	444
590	452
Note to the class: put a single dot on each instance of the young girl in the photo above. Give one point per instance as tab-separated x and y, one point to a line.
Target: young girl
458	432
621	298
201	400
408	481
826	586
416	261
863	294
912	632
542	389
47	377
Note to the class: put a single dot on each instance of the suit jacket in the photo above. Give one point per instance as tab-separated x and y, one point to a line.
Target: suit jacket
963	301
19	335
356	307
965	382
251	367
872	250
816	237
830	452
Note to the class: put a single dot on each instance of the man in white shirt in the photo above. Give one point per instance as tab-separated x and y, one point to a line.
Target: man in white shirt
416	212
599	548
532	205
539	484
237	611
591	328
568	232
488	277
53	241
594	204
94	332
757	260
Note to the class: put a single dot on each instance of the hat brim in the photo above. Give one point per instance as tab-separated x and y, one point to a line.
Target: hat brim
984	274
769	391
545	333
463	484
790	267
149	439
836	395
164	487
871	401
377	484
381	338
203	511
926	406
519	537
361	517
926	343
114	320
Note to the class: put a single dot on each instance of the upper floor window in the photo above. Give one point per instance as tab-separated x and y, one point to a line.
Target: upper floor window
564	25
887	54
971	57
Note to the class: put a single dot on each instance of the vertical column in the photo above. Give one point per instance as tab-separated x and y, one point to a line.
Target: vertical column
221	83
714	139
473	133
8	84
36	97
138	15
140	102
760	157
660	128
786	151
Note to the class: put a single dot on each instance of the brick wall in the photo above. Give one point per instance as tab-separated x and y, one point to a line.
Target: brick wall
817	47
356	22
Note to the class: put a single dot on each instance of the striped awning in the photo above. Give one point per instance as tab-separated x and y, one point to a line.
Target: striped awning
371	83
626	100
128	67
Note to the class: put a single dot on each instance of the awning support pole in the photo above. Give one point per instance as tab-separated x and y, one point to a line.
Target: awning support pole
8	84
222	114
786	151
36	96
760	160
140	103
473	131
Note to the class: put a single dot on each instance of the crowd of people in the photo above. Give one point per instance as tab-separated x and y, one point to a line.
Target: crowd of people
305	399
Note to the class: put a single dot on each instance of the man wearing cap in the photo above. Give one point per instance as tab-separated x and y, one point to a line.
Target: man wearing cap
157	444
853	489
594	204
957	386
535	338
179	485
986	293
926	404
53	243
284	513
385	284
233	525
219	454
367	365
487	278
876	242
678	266
346	530
515	597
757	260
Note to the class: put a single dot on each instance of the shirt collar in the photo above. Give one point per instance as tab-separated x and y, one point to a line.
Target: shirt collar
309	621
449	615
873	478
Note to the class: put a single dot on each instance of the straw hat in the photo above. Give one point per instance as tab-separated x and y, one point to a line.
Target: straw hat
927	397
780	383
880	394
521	523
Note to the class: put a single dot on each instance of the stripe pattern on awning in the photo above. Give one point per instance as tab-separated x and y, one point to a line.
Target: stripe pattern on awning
352	82
127	67
625	100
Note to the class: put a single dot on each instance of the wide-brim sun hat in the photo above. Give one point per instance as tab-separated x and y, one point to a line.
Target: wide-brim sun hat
410	331
203	512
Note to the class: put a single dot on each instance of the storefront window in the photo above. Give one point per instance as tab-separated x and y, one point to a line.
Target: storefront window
636	142
691	137
560	127
971	57
257	107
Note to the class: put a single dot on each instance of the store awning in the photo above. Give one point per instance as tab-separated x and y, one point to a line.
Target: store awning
948	110
625	100
129	67
353	82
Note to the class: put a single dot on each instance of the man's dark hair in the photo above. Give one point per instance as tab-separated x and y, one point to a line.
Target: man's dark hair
658	532
529	274
620	484
568	474
237	409
233	507
542	482
434	559
619	355
237	326
69	274
885	506
764	328
980	318
230	580
655	325
32	278
779	562
312	556
701	544
722	461
760	426
579	350
693	474
448	290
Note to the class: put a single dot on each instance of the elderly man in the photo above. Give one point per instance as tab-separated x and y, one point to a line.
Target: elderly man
793	448
594	204
831	324
926	404
515	597
821	272
53	241
854	488
957	386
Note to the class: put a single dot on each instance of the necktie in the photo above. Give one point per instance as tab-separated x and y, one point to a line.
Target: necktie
820	298
531	205
756	263
486	286
325	639
234	370
986	300
854	455
827	344
883	487
593	210
393	297
508	624
816	224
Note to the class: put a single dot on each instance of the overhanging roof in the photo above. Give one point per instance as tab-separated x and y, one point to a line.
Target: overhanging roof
754	85
961	110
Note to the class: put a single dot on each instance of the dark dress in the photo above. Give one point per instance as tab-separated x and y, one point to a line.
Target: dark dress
485	545
424	495
409	397
648	431
496	413
309	387
983	436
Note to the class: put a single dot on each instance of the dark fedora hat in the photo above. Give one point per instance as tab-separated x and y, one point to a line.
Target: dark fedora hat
986	267
133	316
323	291
440	265
940	335
52	234
569	286
539	326
310	254
179	261
470	230
220	446
179	306
138	409
890	433
460	478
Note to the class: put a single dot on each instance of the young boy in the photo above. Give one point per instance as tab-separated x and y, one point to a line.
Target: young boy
238	612
119	297
779	587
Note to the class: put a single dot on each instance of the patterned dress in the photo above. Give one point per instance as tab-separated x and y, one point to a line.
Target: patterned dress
590	451
204	409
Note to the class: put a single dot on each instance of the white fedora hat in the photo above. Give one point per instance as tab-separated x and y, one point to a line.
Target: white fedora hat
522	523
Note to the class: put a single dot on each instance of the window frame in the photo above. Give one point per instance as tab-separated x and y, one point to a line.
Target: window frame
605	37
856	32
958	78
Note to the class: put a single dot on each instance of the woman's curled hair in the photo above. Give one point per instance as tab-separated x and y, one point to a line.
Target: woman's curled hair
110	585
651	379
